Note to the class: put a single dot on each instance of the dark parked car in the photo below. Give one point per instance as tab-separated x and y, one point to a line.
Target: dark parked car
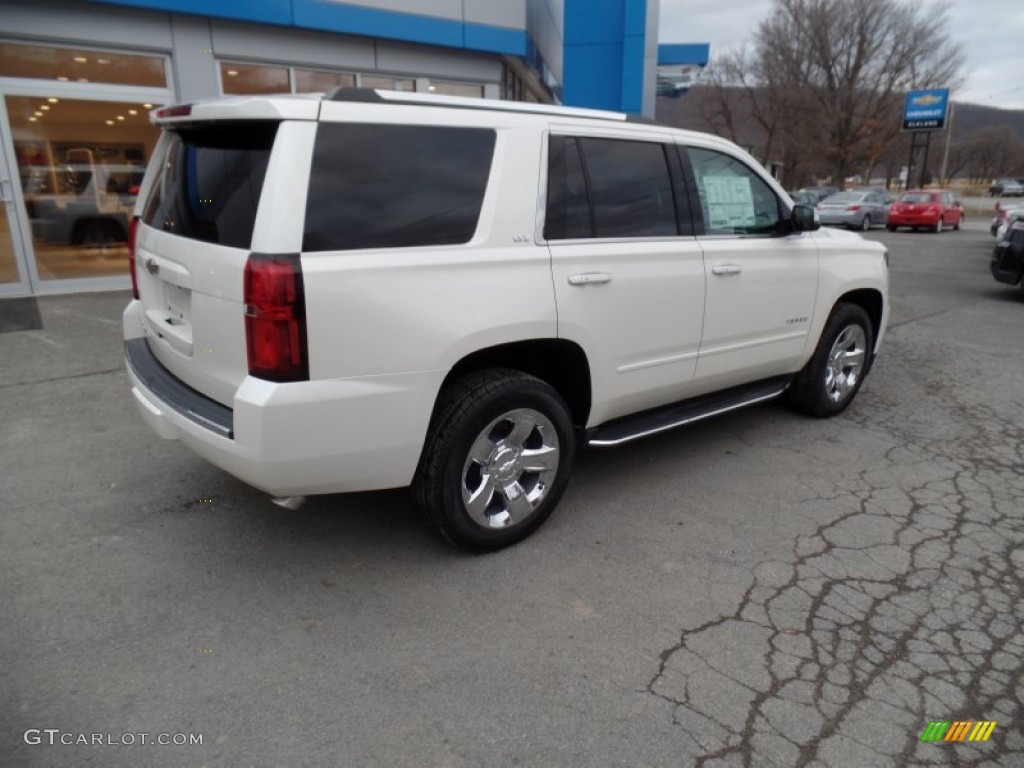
1008	257
933	209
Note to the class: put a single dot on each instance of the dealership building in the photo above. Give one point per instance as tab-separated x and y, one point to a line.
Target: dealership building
77	80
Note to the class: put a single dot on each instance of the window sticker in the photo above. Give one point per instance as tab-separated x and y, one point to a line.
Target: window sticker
730	202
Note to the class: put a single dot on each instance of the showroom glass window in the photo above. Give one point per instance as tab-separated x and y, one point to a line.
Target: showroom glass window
393	186
80	160
734	199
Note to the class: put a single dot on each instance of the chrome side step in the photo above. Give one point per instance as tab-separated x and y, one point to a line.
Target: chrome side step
678	414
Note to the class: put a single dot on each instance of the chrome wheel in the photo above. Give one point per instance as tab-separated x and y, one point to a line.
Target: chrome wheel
511	467
845	363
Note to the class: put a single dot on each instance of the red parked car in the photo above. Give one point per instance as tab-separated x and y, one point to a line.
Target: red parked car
934	209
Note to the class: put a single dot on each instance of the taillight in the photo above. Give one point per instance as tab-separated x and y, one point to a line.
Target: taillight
178	110
133	229
853	207
275	318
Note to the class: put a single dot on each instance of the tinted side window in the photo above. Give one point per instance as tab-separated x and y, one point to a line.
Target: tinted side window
208	186
392	186
630	187
568	209
733	198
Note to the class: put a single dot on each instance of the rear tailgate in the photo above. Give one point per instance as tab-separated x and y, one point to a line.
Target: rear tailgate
198	226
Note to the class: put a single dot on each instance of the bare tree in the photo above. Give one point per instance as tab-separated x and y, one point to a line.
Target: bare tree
828	76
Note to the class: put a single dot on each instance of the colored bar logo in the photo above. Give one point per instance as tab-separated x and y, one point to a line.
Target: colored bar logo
958	730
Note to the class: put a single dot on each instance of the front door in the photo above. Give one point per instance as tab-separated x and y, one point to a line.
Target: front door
761	283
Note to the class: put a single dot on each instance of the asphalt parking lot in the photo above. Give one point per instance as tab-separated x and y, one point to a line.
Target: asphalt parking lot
758	590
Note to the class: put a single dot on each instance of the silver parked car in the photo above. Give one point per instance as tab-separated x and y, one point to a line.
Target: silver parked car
857	209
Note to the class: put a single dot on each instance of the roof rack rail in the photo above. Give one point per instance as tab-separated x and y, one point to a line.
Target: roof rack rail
376	96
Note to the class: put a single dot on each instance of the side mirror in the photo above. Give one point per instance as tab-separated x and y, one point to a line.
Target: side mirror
805	218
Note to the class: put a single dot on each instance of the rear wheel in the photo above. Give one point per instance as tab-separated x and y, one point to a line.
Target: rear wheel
497	459
957	223
891	227
865	223
836	370
938	226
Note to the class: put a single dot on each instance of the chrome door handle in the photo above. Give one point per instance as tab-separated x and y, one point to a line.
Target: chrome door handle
6	193
726	269
590	278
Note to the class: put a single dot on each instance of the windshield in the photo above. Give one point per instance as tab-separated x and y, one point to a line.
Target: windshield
845	197
916	197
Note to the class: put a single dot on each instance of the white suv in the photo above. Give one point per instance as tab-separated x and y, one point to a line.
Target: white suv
373	290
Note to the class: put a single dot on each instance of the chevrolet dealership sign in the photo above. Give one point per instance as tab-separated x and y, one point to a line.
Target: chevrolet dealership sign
926	110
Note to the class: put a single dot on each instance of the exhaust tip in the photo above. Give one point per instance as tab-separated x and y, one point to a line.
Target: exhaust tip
289	502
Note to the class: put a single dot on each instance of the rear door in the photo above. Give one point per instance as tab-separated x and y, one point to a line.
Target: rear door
628	273
204	203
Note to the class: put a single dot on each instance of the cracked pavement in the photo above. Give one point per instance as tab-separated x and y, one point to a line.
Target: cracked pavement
761	589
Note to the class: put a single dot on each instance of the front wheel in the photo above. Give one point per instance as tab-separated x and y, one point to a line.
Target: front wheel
497	459
938	226
836	370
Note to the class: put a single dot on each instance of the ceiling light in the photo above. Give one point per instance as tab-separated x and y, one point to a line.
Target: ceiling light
53	100
148	106
81	59
133	111
232	72
83	79
431	88
37	113
102	61
33	119
45	107
120	117
62	79
110	122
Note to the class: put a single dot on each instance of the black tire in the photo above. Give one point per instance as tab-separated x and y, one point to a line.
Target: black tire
485	409
865	224
937	229
891	227
814	390
959	221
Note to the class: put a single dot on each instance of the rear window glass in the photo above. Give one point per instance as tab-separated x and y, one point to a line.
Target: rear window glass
393	186
208	186
916	197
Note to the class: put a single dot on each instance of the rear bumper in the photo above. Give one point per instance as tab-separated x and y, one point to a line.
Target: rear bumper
896	220
298	438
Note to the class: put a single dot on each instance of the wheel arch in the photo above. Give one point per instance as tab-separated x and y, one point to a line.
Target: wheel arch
560	363
870	300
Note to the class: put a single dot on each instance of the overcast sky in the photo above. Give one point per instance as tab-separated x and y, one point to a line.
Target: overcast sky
991	33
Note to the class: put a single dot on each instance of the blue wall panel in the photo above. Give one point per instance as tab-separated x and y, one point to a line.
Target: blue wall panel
604	54
593	76
684	53
264	11
353	20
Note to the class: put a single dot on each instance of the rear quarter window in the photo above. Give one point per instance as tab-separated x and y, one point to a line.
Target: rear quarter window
393	186
209	183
